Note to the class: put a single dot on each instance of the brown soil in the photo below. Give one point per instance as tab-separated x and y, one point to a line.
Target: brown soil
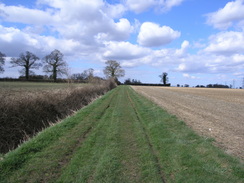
216	113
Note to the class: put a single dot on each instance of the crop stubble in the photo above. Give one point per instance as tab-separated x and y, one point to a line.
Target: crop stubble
215	113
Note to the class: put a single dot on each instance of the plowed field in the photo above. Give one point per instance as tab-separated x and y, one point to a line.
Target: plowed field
216	113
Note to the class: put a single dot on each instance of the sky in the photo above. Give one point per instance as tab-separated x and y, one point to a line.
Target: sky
197	42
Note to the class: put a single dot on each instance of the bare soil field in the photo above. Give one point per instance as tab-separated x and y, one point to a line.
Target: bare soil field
215	113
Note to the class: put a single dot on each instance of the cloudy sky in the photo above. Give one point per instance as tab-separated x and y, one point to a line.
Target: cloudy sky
194	41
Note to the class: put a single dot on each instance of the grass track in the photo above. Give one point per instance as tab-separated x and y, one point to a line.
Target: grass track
121	137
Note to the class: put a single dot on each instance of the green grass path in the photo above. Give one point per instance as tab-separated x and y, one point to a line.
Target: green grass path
121	137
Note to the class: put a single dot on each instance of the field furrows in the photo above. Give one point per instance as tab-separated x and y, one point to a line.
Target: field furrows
216	113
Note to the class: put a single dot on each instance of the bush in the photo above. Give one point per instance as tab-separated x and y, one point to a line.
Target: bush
28	113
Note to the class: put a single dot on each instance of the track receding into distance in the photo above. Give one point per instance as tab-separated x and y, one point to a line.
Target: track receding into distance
121	137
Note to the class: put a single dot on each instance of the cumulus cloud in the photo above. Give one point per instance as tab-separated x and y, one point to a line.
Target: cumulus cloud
183	50
152	35
124	51
225	17
86	27
97	30
166	5
226	43
188	76
139	6
24	15
14	41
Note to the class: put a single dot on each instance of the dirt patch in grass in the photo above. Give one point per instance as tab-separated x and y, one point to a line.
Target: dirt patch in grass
215	113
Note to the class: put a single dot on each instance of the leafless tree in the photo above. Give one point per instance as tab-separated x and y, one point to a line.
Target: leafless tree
113	69
28	61
55	64
2	61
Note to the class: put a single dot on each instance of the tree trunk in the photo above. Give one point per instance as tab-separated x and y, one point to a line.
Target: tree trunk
27	73
54	74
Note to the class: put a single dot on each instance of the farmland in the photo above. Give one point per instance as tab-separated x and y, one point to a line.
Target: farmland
17	87
121	137
216	113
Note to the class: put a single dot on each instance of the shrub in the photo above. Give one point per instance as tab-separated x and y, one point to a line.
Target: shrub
25	114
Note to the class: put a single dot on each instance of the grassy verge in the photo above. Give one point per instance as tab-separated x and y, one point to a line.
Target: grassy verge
122	137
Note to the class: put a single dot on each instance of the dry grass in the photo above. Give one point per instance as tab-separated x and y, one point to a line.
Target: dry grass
25	113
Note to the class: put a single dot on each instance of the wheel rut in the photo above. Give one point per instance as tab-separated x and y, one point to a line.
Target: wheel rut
69	151
153	151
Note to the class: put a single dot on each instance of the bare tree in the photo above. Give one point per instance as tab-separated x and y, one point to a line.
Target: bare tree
164	78
55	64
27	60
89	73
2	61
113	69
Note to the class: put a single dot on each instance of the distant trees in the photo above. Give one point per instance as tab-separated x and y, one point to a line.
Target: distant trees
213	86
113	70
132	82
89	74
164	78
217	86
85	76
55	64
2	61
28	61
200	86
78	76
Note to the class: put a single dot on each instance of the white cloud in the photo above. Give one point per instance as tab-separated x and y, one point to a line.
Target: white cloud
188	76
24	15
238	58
226	43
139	6
166	5
124	51
152	35
14	41
183	50
115	11
97	30
225	17
74	24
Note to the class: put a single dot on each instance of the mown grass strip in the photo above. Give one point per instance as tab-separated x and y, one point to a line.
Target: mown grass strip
122	137
114	152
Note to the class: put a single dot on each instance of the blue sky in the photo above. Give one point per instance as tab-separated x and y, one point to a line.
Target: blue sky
194	41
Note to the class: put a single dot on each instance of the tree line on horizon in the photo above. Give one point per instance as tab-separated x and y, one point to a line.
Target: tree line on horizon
54	64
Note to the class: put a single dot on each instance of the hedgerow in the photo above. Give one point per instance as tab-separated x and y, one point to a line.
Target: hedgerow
24	115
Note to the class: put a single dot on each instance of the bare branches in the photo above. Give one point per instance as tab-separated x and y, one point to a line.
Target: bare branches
2	61
28	61
55	64
113	69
